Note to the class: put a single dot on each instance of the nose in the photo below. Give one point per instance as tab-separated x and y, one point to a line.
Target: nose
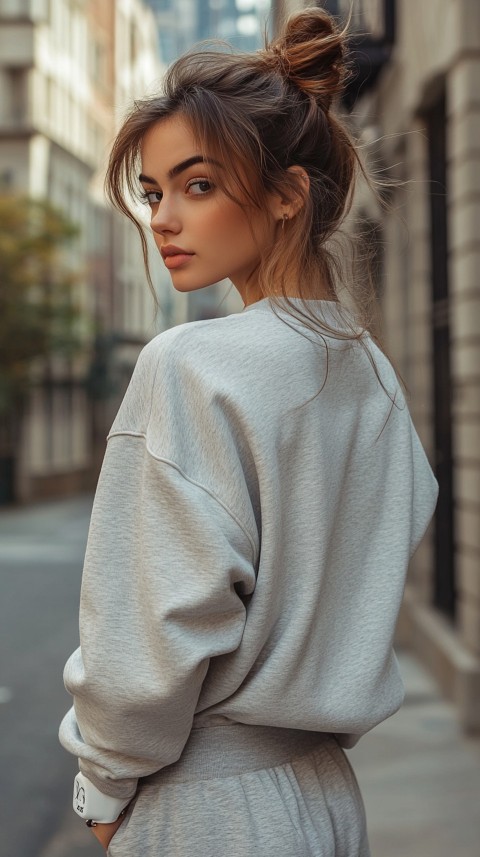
165	218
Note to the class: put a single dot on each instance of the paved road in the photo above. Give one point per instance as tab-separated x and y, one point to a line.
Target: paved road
41	554
420	777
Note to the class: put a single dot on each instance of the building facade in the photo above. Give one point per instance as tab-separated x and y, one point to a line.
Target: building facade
182	23
425	108
414	103
69	69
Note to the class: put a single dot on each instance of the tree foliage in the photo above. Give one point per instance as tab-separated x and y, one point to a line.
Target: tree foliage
38	314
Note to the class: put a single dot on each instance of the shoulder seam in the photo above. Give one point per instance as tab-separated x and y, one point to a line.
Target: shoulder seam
193	482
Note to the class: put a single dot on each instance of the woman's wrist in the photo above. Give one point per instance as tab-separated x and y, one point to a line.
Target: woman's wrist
105	831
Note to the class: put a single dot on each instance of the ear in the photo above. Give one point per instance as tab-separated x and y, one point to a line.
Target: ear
286	207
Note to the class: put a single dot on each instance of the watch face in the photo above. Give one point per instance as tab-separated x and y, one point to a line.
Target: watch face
79	797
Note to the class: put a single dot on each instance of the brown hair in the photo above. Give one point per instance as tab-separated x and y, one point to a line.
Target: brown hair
265	112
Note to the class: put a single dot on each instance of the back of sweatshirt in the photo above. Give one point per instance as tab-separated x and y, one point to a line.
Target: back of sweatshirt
248	548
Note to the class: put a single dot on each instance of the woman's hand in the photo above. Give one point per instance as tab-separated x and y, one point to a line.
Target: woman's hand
105	832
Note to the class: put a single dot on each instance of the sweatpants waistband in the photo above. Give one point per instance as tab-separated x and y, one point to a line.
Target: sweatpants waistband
222	751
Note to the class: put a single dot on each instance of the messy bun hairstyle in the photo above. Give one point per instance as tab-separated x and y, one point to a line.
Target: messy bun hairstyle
265	112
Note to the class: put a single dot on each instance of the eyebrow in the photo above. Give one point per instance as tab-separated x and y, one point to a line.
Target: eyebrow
179	168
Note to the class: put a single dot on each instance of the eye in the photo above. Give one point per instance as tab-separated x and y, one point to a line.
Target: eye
152	197
199	187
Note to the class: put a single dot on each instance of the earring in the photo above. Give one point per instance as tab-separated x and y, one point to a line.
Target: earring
284	219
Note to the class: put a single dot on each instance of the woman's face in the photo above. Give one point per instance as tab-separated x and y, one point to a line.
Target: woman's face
202	235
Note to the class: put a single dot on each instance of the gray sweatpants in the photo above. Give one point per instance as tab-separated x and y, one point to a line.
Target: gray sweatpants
248	791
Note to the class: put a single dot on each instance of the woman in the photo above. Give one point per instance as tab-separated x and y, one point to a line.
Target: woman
262	492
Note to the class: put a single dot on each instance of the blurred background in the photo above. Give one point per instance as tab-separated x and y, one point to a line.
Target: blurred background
75	311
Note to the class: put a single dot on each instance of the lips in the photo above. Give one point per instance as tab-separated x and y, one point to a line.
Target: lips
174	256
171	250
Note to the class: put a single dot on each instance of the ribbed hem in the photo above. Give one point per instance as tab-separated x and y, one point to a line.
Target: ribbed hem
223	751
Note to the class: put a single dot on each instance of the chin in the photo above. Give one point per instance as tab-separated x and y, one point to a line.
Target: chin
182	287
192	286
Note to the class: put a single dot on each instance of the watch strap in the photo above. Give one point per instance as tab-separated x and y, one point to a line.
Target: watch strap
93	805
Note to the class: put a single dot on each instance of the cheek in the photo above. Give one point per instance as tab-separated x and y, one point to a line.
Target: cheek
229	230
223	215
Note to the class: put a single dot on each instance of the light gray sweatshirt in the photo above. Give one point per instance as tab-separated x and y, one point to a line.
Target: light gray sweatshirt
246	557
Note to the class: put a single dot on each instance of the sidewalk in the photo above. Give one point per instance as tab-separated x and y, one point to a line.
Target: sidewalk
419	776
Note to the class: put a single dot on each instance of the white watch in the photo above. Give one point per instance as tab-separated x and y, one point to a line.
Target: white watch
94	806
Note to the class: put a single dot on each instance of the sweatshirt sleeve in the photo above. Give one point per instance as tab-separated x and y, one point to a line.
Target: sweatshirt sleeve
167	569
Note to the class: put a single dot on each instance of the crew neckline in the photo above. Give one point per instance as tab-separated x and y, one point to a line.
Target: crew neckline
335	314
266	302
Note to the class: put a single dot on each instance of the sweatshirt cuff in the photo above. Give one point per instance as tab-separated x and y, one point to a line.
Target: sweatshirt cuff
123	789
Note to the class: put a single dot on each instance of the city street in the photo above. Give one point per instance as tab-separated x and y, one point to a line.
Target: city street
419	775
327	151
